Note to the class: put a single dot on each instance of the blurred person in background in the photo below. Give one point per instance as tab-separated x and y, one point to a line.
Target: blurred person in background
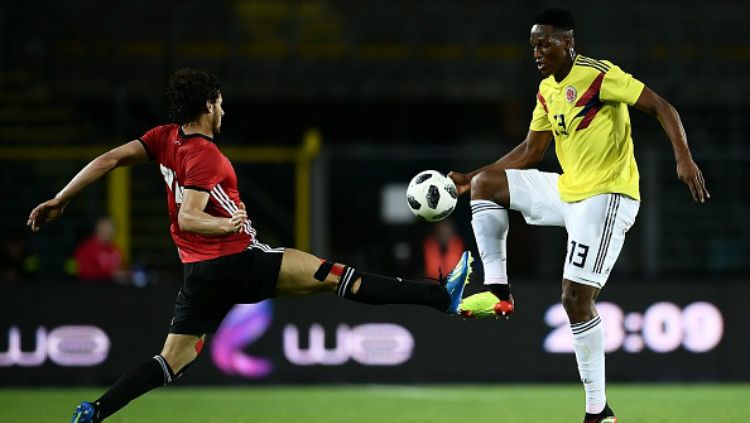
97	258
582	104
441	248
224	263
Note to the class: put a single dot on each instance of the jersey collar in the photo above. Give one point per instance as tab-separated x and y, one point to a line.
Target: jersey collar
183	135
567	77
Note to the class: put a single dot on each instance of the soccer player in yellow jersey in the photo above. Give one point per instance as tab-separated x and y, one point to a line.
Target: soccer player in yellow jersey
582	104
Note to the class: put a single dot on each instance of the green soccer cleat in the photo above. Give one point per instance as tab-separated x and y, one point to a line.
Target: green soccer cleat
486	304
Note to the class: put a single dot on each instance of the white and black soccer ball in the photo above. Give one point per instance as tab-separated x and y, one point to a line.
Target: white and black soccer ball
431	195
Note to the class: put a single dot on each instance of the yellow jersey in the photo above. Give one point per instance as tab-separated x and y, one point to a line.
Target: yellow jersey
588	114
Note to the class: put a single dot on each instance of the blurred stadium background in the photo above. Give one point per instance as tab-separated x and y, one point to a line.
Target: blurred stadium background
332	106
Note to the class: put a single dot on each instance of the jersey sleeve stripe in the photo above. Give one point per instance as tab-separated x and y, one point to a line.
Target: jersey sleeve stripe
541	100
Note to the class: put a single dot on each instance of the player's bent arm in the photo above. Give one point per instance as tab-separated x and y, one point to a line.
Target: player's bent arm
687	171
526	154
124	155
192	218
667	115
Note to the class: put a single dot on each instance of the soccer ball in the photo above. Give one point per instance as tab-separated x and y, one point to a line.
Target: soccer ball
431	195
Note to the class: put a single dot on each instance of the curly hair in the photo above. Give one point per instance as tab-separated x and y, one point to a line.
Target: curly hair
187	93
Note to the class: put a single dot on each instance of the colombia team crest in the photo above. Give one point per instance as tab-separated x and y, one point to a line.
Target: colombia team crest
571	94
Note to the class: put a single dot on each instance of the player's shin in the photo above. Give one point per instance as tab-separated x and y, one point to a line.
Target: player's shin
377	289
588	340
490	224
134	383
369	288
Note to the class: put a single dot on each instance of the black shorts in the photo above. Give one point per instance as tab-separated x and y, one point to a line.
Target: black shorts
212	287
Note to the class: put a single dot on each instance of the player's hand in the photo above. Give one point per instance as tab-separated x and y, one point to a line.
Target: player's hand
45	213
462	181
238	219
689	173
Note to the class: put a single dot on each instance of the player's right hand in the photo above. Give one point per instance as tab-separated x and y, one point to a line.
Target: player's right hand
462	181
45	213
238	219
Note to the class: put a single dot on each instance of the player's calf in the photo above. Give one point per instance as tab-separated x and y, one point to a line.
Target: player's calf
134	383
178	353
370	288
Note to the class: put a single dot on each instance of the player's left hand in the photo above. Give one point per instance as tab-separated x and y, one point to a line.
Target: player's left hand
689	173
45	213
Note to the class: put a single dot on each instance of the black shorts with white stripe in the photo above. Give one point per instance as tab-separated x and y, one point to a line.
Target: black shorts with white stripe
212	287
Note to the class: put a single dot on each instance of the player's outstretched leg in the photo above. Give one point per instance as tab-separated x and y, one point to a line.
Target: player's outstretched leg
490	198
304	274
179	351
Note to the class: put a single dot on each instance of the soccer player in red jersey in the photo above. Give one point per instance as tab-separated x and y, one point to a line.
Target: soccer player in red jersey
224	263
582	104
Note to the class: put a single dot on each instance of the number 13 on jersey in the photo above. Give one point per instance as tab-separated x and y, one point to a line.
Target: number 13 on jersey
562	128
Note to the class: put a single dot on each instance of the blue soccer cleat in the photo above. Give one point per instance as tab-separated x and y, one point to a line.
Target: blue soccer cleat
85	413
457	279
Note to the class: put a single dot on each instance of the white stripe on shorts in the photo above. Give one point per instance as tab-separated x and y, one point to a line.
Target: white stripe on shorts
265	247
614	205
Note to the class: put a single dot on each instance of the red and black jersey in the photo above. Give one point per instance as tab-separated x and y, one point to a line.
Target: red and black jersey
193	161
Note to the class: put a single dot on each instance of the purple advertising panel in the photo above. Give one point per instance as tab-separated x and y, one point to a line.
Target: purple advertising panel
88	335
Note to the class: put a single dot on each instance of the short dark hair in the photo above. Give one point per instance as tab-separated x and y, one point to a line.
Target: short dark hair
557	18
187	93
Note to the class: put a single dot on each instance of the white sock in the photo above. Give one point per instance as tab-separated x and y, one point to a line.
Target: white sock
490	223
588	340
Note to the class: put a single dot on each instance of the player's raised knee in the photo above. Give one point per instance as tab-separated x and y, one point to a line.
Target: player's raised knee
489	185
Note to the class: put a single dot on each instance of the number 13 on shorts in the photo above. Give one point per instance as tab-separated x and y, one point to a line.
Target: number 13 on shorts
596	232
577	254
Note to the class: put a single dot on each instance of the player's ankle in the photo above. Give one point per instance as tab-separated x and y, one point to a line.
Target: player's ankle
501	290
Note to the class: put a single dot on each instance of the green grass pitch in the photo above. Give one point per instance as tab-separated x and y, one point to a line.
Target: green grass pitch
713	403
